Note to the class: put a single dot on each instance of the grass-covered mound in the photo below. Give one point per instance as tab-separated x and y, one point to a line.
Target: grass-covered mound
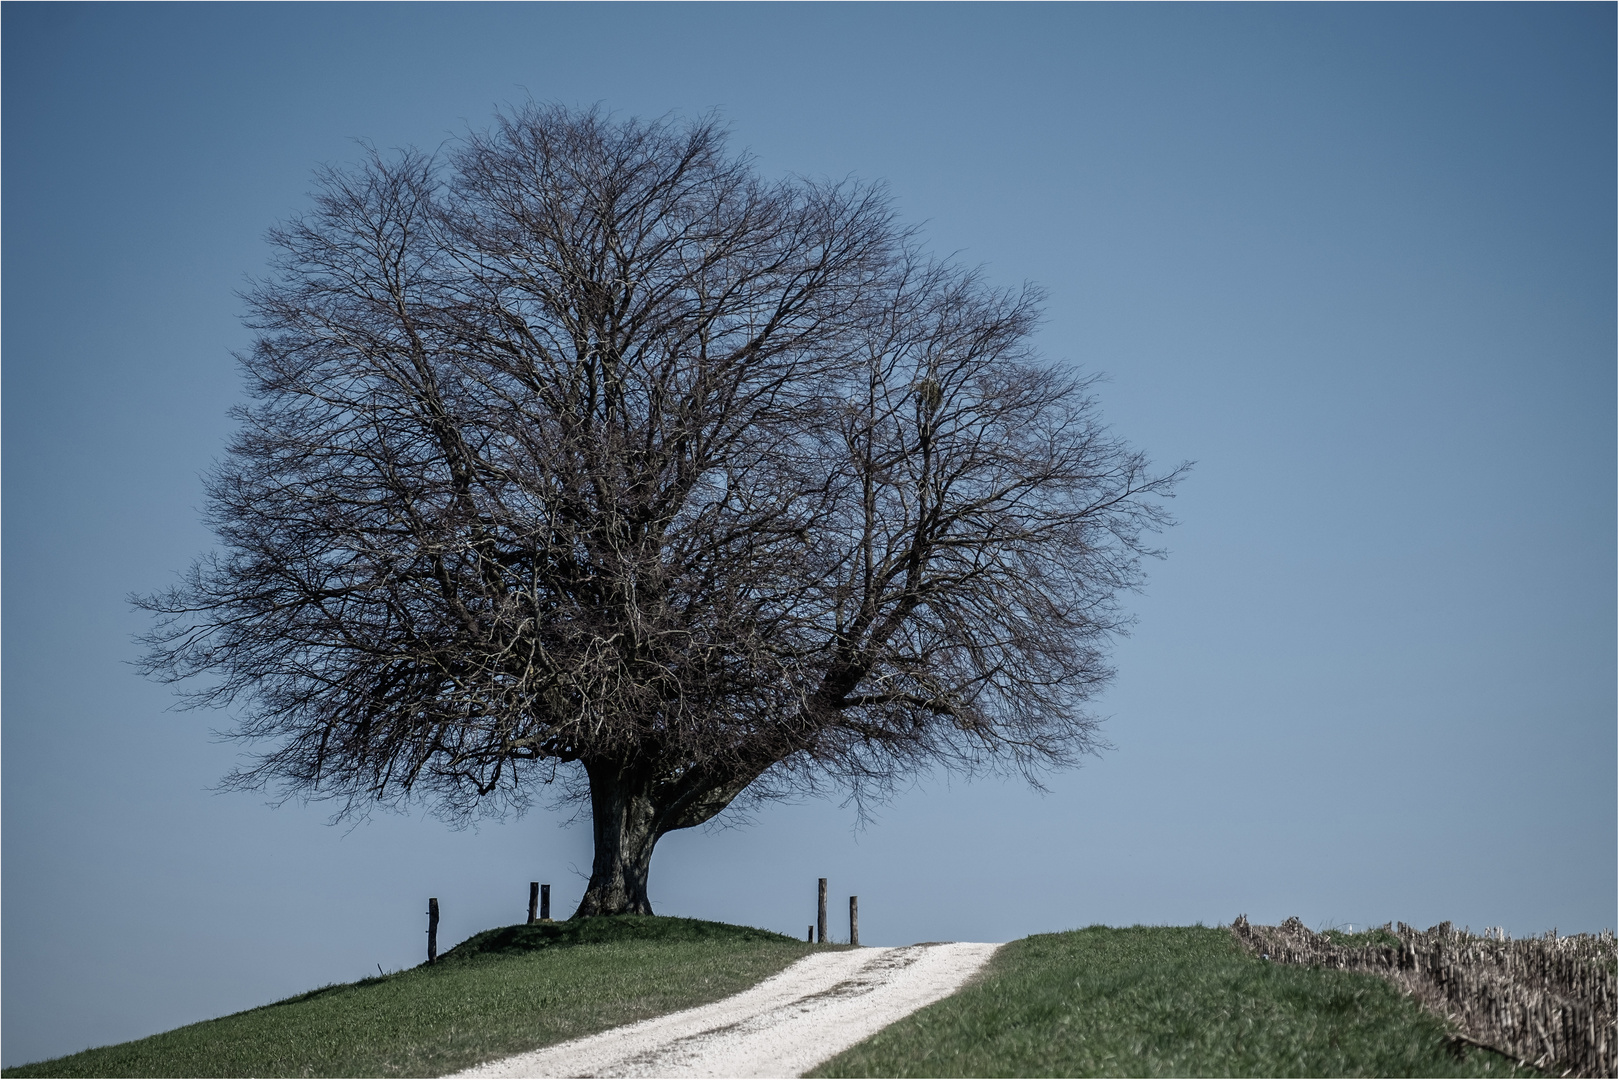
605	930
500	992
1163	1001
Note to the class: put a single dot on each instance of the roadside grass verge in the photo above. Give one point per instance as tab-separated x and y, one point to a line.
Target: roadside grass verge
1163	1001
498	993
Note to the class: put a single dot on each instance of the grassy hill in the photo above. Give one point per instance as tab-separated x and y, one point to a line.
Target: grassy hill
501	992
1143	1001
1163	1001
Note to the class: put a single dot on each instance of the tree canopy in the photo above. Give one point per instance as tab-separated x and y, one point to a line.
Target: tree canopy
580	452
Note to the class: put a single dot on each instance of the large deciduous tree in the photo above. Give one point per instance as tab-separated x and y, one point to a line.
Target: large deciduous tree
582	453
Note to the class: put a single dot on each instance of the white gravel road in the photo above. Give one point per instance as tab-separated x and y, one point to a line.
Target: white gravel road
785	1026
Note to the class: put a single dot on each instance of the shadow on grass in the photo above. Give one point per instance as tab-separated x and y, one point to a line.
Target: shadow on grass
604	930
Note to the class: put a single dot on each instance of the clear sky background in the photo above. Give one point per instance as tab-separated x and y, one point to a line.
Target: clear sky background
1357	261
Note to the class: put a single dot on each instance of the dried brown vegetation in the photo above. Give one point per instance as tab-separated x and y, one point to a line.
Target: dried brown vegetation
1547	1002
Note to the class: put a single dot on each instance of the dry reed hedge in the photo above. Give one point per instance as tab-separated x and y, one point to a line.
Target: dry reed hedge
1546	1001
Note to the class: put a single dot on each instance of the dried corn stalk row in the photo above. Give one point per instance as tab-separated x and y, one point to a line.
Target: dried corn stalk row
1547	1001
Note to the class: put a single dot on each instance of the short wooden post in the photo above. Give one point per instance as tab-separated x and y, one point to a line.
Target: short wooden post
533	900
810	937
820	913
545	903
854	920
432	929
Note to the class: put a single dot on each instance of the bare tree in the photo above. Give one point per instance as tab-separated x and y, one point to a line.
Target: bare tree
587	455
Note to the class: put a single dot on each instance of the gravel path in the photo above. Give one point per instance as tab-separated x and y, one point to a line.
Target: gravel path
785	1026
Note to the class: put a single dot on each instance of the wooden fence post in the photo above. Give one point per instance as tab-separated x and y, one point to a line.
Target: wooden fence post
810	937
545	903
432	929
820	913
854	920
533	900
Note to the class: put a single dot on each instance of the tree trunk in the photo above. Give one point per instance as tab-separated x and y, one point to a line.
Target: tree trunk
631	809
624	821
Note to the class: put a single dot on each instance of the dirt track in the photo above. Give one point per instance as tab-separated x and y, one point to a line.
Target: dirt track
785	1026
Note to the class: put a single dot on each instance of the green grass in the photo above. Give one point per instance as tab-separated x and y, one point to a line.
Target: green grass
501	992
1163	1001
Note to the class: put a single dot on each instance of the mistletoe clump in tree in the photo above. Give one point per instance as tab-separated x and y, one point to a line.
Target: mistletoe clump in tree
584	454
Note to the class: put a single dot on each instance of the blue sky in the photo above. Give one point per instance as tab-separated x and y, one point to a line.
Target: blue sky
1356	261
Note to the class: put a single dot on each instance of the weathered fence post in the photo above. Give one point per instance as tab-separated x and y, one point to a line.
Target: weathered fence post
533	900
820	914
854	920
545	903
810	937
432	929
